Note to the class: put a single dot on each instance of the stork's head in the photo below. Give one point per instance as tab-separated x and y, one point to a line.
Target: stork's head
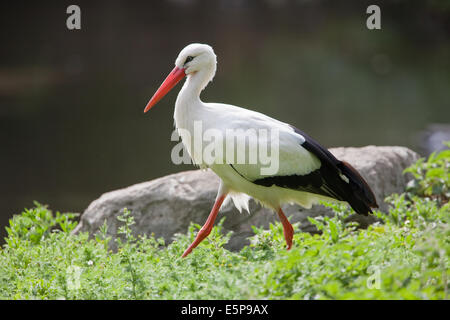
194	58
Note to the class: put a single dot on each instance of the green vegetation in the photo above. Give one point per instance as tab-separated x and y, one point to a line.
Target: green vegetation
406	256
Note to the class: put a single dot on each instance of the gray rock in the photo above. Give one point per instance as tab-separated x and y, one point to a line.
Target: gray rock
167	205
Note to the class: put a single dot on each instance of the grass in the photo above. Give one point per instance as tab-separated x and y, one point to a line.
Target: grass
405	256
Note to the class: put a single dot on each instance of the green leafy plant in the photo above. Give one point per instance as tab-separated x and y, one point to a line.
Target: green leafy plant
431	176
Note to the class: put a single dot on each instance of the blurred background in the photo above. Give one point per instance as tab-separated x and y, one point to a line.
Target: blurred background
71	102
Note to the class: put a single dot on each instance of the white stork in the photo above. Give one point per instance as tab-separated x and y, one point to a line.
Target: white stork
307	172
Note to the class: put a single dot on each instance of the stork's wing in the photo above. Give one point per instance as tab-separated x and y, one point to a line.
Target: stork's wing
335	178
304	165
301	163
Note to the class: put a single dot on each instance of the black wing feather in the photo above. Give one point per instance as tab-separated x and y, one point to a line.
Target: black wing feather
328	179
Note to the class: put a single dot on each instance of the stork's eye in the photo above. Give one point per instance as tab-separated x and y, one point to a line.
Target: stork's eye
189	59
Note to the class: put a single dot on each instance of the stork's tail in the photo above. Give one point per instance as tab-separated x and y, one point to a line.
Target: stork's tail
359	195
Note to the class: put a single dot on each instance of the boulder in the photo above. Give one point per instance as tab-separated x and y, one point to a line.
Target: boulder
167	205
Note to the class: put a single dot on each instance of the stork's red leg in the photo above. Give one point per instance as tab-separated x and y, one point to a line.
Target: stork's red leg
207	227
288	230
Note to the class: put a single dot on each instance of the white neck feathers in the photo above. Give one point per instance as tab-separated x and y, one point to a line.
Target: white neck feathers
188	100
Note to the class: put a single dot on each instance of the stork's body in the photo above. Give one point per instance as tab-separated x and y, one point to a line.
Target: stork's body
306	171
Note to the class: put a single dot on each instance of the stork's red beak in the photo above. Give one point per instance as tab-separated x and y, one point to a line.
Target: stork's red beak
172	79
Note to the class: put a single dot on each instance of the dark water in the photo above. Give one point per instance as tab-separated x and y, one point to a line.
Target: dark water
71	102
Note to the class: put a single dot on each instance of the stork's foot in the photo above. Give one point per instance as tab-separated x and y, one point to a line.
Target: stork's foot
202	234
207	227
288	230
